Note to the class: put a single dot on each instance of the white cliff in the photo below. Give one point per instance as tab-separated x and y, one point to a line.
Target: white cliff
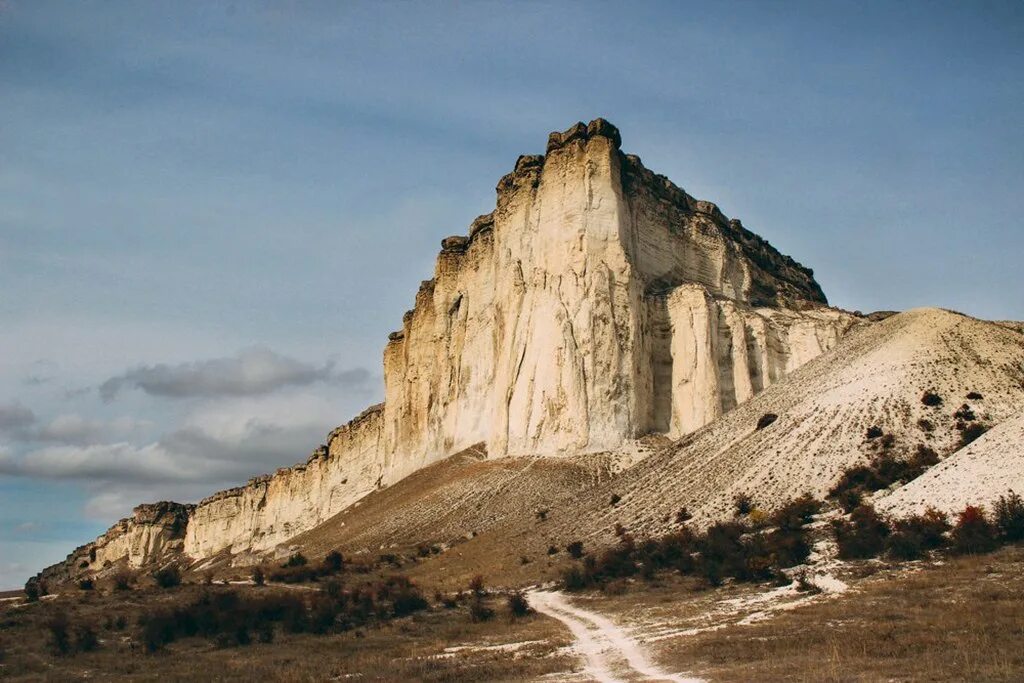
596	304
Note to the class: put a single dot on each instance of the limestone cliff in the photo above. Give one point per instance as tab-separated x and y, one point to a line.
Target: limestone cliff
596	304
154	533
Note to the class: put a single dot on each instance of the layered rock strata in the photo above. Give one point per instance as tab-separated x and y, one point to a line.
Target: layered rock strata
596	304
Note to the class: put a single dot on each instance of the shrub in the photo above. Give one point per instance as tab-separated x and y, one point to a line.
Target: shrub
743	504
258	577
85	639
614	499
874	431
575	549
862	536
122	581
541	515
476	585
683	516
849	500
518	605
334	562
925	425
60	635
574	579
931	399
965	413
296	560
552	550
973	532
766	420
168	577
797	512
974	396
971	432
478	611
914	535
407	599
85	584
787	547
1009	512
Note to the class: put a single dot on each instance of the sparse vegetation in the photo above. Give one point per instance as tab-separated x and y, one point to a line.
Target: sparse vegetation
738	549
883	471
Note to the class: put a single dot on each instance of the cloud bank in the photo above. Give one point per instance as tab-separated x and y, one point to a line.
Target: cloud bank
251	372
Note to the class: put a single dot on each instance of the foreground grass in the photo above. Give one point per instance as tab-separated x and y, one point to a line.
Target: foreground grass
415	648
958	620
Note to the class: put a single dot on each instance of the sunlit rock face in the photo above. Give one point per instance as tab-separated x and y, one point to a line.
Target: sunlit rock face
154	533
596	304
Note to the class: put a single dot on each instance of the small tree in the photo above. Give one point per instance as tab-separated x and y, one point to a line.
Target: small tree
32	590
258	577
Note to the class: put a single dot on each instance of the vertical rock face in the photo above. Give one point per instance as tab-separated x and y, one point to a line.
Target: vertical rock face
597	303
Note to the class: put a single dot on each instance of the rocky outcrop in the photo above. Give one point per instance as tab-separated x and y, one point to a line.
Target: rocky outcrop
596	304
154	534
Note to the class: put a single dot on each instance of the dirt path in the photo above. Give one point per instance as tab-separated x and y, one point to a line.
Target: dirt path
611	654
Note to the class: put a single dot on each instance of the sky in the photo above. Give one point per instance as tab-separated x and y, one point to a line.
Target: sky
212	213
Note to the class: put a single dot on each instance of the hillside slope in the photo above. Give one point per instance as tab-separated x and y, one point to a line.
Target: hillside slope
974	475
875	377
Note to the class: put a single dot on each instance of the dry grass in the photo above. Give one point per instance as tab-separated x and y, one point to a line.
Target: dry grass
958	621
413	648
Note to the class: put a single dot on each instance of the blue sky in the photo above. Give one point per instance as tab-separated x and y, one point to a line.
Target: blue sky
214	212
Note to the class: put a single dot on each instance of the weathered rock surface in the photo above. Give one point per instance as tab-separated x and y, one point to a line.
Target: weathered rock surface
596	304
153	534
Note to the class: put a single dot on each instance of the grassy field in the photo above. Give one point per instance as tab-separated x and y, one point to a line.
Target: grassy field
956	619
961	619
434	645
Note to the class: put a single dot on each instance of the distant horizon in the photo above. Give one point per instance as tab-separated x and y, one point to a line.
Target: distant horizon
216	213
